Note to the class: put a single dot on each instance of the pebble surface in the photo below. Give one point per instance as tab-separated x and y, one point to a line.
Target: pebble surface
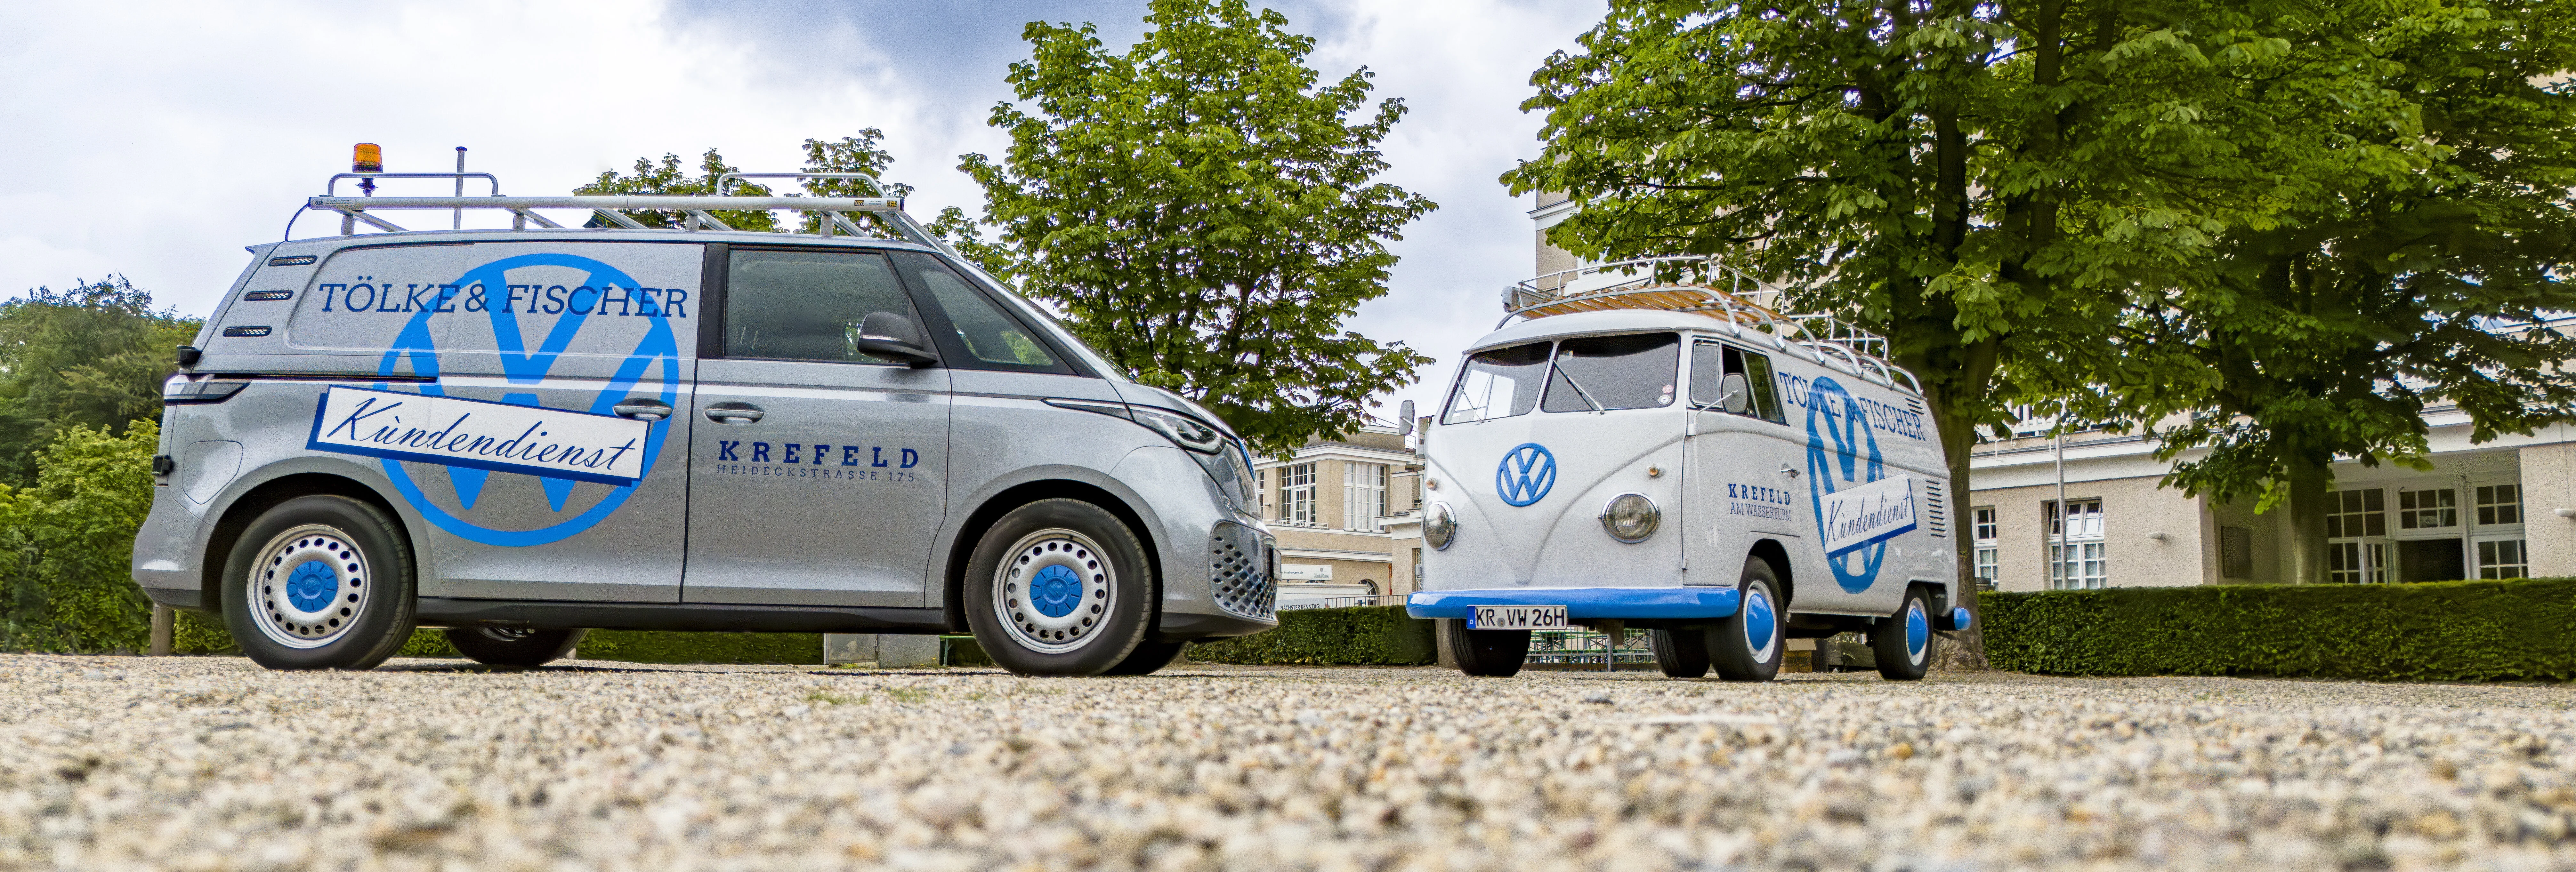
211	764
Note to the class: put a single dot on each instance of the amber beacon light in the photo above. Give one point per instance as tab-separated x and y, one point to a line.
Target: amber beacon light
367	158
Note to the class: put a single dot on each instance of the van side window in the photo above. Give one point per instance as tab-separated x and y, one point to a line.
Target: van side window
988	335
1712	362
1602	373
1499	383
807	305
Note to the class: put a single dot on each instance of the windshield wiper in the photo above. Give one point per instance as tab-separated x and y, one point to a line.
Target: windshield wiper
1578	389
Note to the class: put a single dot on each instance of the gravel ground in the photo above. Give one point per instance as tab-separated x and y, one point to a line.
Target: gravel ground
211	763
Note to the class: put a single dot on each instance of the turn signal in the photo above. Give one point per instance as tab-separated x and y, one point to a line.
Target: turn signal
367	158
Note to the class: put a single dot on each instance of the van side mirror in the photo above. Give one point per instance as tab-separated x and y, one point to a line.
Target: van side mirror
1404	418
888	335
1734	393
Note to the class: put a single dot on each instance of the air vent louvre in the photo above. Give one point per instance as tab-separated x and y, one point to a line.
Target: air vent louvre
1936	517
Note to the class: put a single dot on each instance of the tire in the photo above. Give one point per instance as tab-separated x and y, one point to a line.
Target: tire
1903	645
1488	653
320	582
1748	645
1149	657
1680	653
504	646
1083	560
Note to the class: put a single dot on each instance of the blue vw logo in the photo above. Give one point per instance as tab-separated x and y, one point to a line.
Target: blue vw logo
1526	474
656	358
1838	442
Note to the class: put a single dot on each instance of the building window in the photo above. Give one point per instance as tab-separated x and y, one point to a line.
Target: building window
2499	504
1417	569
2077	557
2356	513
2428	509
1363	495
2236	552
1261	485
1987	530
2357	562
2503	558
1297	494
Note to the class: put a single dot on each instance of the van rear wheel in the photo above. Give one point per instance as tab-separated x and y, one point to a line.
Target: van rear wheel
1059	587
1680	653
1746	646
1903	646
319	582
506	646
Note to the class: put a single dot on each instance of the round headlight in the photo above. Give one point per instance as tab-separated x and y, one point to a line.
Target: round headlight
1631	517
1439	525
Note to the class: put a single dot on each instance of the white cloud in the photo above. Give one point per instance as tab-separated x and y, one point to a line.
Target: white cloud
157	140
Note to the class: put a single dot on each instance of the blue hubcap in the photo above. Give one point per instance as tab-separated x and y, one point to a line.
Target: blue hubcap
1055	591
1918	630
312	585
1759	622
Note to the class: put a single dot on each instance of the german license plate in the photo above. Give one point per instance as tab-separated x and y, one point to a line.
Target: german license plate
1517	618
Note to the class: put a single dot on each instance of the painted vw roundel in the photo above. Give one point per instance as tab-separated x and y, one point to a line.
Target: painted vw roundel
1526	474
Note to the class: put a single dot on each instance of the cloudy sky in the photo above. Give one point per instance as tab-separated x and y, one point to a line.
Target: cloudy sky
158	140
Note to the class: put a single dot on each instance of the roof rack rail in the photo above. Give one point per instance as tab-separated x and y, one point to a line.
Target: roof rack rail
612	209
1746	303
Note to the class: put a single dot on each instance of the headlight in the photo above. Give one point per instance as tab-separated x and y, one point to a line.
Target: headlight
1439	525
1631	517
1184	431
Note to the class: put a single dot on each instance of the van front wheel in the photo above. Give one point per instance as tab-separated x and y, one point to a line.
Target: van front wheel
319	582
1059	587
1680	653
1489	653
1746	646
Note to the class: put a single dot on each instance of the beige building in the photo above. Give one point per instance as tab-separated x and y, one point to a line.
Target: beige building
1346	513
2504	509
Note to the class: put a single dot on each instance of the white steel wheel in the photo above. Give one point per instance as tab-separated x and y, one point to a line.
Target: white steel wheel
1054	589
312	584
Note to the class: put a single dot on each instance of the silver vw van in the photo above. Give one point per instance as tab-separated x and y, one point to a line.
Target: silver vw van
1654	446
521	434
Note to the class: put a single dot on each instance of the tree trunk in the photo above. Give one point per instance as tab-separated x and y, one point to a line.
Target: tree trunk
2306	549
1959	650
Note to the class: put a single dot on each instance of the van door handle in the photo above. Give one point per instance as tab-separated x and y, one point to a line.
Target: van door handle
643	409
1788	470
733	413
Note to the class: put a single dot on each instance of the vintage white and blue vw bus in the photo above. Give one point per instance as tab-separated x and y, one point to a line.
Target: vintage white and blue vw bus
522	434
1677	458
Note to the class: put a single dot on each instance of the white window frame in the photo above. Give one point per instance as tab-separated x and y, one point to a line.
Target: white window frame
1363	495
1297	495
2485	551
1985	532
2078	558
2428	500
2356	553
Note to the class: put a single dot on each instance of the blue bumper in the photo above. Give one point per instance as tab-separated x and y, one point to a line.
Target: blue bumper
1583	602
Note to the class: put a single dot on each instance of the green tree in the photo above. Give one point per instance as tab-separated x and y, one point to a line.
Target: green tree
2398	285
1203	213
849	154
1987	184
66	543
668	178
93	355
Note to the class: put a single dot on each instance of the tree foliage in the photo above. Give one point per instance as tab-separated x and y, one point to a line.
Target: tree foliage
863	153
66	544
1203	211
93	356
2432	227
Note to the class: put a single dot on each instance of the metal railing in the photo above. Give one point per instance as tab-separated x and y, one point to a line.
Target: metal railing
1589	648
1746	303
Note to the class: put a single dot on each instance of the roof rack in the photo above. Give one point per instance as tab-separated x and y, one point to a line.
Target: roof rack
1749	305
612	209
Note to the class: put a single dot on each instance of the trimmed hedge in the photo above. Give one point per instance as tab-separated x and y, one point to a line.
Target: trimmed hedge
2523	629
1357	636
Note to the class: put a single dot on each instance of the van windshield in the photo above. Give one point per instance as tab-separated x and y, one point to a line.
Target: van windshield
1498	384
1600	373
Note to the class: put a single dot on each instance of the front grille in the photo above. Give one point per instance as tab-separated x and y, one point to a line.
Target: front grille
1243	571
